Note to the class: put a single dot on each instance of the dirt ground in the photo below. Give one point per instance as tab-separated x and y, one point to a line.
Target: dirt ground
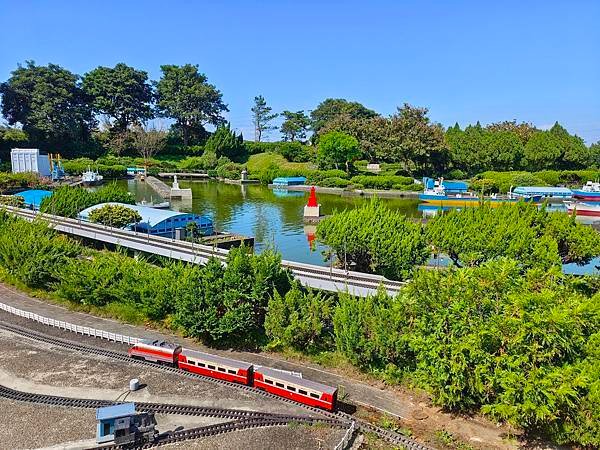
37	367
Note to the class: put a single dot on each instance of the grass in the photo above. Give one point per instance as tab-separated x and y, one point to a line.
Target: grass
262	161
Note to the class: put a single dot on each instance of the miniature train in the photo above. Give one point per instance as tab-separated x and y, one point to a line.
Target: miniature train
275	381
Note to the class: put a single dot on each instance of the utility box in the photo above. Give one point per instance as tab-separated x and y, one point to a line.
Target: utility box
30	160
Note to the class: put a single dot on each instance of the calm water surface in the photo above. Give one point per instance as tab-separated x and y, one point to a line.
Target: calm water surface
274	217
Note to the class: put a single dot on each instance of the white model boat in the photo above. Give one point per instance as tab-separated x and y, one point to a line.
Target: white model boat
91	178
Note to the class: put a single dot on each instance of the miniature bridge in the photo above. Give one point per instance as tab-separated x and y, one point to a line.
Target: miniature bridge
318	277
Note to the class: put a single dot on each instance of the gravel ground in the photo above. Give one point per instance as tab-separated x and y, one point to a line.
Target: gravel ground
38	367
274	438
26	425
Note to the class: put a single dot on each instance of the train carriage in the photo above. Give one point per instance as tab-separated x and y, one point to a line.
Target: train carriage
156	351
216	366
295	388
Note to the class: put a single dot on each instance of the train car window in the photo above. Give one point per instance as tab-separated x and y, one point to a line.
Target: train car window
302	391
291	388
279	384
201	364
211	367
314	395
232	372
268	381
220	369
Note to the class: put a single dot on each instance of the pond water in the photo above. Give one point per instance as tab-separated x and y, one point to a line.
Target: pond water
274	218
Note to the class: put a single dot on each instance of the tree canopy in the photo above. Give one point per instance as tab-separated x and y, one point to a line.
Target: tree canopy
224	142
336	148
117	216
185	95
332	108
122	93
49	103
294	126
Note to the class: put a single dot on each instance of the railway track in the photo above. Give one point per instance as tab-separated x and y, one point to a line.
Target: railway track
200	253
390	436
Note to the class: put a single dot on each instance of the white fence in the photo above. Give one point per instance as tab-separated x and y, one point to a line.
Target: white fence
86	331
345	442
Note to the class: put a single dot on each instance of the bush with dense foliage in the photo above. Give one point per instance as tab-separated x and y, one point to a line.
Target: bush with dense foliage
381	181
117	216
376	239
68	201
10	182
534	237
32	252
299	319
521	348
80	165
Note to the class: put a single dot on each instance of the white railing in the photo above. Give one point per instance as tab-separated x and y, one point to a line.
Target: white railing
78	329
345	442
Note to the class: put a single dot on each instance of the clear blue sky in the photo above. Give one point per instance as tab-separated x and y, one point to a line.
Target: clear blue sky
536	61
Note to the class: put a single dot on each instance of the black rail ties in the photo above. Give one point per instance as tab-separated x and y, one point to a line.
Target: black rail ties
334	419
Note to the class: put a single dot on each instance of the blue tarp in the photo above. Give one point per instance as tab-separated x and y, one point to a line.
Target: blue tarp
34	197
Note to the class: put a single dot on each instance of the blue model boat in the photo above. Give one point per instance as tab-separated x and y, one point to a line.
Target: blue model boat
590	192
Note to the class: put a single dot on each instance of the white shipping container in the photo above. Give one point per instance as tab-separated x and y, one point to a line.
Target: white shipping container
30	160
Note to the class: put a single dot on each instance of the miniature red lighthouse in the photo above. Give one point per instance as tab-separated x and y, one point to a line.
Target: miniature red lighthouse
311	210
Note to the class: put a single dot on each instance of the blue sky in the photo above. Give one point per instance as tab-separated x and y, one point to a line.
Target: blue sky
536	61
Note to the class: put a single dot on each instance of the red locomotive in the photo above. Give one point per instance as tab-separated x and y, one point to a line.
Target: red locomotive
275	381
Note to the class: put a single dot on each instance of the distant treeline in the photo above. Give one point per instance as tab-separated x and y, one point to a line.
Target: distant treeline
105	111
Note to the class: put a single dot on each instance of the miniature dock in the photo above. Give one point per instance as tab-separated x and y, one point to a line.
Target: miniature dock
160	187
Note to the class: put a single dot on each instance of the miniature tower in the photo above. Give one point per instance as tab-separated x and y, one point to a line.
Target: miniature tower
177	192
312	208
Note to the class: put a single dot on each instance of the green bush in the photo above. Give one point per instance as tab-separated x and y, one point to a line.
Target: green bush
381	181
15	181
334	182
230	170
503	181
376	239
68	201
32	252
456	174
205	162
12	200
115	216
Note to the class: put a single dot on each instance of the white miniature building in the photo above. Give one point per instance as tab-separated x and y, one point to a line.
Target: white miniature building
30	160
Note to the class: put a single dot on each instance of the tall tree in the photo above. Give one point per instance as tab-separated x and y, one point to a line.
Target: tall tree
295	125
122	93
49	103
261	117
332	108
185	95
337	148
224	142
148	141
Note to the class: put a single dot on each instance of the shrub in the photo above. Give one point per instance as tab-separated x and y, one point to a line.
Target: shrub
375	239
456	174
13	181
208	160
334	182
68	201
230	170
381	181
117	216
12	200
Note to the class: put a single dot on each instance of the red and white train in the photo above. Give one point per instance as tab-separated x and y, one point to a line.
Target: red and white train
275	381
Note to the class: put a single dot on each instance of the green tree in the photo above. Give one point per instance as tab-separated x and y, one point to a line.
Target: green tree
533	237
332	108
49	103
370	133
185	95
523	130
574	153
116	216
375	239
543	151
337	148
295	125
122	93
262	117
224	142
